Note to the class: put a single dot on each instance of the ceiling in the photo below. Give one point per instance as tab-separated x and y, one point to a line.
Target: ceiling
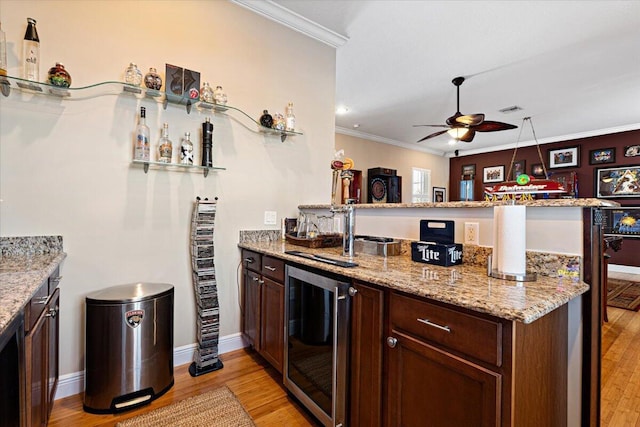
572	66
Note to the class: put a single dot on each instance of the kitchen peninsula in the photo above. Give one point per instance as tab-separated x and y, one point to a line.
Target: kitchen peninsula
542	334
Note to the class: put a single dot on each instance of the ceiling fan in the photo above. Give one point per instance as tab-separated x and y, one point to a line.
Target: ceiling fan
464	127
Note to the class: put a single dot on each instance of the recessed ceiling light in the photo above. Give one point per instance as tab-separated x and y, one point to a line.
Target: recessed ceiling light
453	141
342	110
356	126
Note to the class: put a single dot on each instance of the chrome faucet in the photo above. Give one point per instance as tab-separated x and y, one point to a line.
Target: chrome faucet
349	233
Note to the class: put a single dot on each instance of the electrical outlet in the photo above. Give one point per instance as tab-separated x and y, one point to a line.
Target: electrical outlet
471	233
270	217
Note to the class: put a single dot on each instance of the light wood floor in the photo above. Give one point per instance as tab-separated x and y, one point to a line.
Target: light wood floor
258	386
253	381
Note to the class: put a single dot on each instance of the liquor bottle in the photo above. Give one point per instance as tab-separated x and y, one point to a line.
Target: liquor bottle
3	53
165	148
142	150
207	143
31	52
290	118
186	150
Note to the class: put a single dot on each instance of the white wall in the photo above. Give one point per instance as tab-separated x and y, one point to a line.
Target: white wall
65	165
368	154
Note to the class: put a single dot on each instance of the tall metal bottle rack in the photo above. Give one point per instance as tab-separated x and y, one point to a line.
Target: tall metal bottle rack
204	283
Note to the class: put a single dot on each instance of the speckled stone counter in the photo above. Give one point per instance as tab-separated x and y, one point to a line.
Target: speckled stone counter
464	285
25	264
579	202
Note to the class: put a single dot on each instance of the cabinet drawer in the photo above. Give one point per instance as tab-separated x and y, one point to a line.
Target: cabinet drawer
36	305
472	335
273	268
252	260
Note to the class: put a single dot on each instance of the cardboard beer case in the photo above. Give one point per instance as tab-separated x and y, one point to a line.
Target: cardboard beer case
436	245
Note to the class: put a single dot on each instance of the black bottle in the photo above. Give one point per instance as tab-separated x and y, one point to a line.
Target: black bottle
207	143
266	120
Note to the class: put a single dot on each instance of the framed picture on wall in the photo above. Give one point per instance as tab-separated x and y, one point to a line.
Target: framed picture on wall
439	194
493	174
468	170
602	156
519	168
537	171
621	181
632	150
566	157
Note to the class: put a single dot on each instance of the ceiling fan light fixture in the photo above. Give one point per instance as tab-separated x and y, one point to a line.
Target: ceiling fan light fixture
457	133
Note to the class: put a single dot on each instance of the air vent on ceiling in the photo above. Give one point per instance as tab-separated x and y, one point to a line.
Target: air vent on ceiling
511	109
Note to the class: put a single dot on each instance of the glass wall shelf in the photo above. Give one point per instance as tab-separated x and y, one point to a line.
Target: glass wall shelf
176	166
7	83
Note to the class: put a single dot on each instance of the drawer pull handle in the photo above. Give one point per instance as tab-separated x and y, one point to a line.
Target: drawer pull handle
268	267
261	282
392	342
255	279
42	300
248	260
353	291
53	312
435	325
56	279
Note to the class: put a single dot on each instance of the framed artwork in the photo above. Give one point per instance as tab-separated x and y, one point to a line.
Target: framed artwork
469	170
602	156
493	174
537	171
632	150
621	181
519	168
439	194
564	157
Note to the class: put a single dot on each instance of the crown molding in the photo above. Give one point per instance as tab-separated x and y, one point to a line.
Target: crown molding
299	23
376	138
549	140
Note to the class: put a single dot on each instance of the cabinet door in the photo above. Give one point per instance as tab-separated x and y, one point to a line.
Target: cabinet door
272	323
251	308
53	347
430	387
37	352
366	355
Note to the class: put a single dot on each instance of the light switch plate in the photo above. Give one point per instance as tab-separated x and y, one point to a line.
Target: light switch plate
270	217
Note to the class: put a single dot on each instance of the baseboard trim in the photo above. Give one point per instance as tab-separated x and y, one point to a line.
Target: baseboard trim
624	269
73	383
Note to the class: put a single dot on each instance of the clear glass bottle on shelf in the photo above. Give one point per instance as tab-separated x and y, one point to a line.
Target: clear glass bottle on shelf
165	148
186	150
142	149
219	96
206	93
290	118
132	75
31	52
3	53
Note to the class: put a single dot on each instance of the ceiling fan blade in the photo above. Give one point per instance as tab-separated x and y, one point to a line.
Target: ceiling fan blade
470	119
434	126
433	135
468	137
491	126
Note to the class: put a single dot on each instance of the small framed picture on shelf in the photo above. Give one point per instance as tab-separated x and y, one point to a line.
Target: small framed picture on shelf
632	150
519	168
468	170
567	157
493	174
537	171
602	156
439	194
621	181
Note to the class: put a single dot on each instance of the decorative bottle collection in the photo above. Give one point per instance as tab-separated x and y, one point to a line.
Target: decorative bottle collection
31	52
290	118
165	148
142	149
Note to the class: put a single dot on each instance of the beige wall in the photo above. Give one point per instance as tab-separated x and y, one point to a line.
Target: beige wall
368	154
65	165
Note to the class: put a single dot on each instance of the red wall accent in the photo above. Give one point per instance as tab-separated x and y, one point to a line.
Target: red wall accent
631	246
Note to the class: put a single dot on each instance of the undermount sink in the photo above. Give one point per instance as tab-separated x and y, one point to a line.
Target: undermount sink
373	245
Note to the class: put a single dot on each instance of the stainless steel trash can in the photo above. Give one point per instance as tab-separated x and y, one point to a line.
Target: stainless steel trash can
128	347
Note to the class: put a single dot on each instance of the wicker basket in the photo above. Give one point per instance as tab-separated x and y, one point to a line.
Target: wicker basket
323	241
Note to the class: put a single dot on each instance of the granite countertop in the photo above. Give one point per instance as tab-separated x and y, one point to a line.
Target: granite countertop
463	285
20	277
579	202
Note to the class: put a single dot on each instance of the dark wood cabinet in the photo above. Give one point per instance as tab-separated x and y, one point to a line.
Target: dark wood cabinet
42	351
263	306
367	336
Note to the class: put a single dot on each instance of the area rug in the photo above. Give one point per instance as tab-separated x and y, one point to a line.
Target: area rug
623	294
214	408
